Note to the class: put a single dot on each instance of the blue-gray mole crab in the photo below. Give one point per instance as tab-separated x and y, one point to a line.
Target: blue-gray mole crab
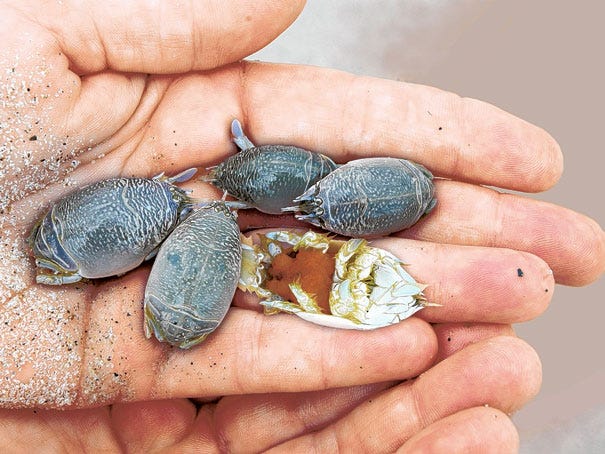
368	197
268	177
194	277
107	228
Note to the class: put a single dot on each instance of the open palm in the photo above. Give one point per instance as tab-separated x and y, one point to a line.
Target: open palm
91	91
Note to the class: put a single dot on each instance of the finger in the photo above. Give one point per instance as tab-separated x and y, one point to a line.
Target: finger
453	337
572	244
275	418
475	284
354	117
161	37
502	373
68	87
52	116
455	137
141	427
39	430
281	354
297	414
155	426
475	430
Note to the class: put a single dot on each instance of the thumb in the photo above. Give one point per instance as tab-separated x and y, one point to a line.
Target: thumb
76	69
161	37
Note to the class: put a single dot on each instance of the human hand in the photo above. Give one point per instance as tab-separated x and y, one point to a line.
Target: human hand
83	345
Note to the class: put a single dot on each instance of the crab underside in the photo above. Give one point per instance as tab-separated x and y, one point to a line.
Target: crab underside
367	289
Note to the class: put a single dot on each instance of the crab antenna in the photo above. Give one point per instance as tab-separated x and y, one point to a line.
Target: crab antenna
183	176
232	204
239	137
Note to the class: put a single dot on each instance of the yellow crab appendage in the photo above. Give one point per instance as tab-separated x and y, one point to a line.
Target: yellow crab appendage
369	287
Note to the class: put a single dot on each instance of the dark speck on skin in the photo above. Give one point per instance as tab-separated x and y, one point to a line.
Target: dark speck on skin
519	272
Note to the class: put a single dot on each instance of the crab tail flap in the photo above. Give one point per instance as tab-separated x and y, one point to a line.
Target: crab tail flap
311	218
185	345
185	175
237	205
292	209
306	203
240	139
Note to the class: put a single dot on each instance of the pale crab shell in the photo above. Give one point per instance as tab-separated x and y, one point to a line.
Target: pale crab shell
370	287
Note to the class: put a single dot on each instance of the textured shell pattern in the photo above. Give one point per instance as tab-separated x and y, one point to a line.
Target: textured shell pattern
269	177
109	227
194	277
369	197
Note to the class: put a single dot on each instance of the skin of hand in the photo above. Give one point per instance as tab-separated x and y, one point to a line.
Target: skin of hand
91	91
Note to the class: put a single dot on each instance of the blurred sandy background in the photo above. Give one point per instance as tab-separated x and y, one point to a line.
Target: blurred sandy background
540	60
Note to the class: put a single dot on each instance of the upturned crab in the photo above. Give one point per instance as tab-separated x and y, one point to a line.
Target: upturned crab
336	283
